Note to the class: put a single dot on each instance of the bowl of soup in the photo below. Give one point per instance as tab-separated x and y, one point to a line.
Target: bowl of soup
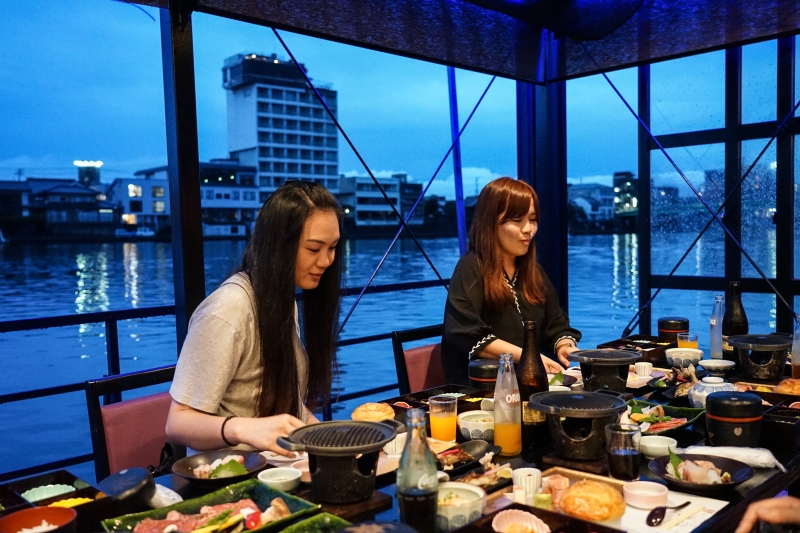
477	425
458	505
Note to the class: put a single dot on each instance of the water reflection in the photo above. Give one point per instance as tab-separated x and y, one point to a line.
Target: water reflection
625	271
91	294
130	263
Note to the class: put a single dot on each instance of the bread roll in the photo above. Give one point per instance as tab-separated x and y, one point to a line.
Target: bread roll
594	501
373	412
788	386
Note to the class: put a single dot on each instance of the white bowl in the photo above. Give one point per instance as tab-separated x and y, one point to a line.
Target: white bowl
653	446
450	517
302	466
717	367
504	519
684	356
554	388
645	494
471	427
394	448
284	479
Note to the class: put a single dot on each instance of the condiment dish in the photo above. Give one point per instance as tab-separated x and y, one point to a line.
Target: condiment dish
466	505
717	367
477	425
645	494
653	446
61	517
281	478
302	466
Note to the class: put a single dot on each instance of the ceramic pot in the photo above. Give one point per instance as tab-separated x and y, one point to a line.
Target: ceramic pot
698	393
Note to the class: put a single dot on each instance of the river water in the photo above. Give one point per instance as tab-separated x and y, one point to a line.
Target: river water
48	280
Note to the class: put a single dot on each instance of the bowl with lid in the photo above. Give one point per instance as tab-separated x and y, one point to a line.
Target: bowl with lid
708	385
734	418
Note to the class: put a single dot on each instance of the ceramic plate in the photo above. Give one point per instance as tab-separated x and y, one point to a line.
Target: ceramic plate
253	462
739	472
279	460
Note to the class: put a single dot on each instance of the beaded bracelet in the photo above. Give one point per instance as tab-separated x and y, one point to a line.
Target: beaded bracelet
222	432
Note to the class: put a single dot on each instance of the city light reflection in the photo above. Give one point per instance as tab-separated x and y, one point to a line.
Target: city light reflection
130	262
91	293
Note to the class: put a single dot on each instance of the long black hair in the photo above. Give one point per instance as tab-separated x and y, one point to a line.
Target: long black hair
270	260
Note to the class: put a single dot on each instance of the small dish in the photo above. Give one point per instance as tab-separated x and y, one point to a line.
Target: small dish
47	491
683	357
657	445
717	367
253	462
302	466
284	479
394	448
645	494
281	460
451	517
61	517
477	425
504	519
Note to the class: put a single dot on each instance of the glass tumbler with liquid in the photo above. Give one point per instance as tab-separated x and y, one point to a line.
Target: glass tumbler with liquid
507	411
623	442
417	484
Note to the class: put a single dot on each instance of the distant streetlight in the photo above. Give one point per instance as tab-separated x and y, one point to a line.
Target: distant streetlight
84	164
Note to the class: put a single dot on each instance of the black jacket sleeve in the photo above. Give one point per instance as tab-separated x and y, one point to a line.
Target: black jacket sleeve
464	328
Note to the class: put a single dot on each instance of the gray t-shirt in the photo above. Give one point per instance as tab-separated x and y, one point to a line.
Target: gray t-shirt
219	369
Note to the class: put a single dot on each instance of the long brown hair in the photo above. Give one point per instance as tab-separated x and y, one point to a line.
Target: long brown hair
502	200
270	260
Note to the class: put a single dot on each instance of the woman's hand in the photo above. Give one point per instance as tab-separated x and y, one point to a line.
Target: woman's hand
551	366
263	433
563	351
774	511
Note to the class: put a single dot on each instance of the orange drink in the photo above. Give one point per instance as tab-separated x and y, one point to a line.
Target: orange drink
509	437
443	426
443	417
687	340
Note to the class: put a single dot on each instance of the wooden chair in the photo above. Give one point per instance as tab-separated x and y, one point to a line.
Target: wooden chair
418	368
129	433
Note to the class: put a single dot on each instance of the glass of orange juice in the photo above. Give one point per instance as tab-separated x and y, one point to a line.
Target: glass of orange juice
443	417
687	340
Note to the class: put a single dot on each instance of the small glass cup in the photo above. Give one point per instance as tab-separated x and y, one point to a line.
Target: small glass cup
443	417
624	453
687	340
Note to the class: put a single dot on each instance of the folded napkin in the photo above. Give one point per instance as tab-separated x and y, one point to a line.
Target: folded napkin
755	457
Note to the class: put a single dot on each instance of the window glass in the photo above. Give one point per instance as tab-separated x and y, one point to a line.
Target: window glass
158	206
796	208
759	81
158	192
134	191
682	100
761	311
758	206
694	305
678	216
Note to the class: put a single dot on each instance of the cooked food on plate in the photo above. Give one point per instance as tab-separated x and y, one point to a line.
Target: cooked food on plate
490	477
226	517
788	386
373	412
592	500
704	472
454	456
651	420
228	466
451	498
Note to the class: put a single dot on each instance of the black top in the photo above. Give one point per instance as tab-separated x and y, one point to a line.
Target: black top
469	326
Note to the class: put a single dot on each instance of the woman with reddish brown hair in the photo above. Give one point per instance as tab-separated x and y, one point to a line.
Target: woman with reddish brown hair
499	283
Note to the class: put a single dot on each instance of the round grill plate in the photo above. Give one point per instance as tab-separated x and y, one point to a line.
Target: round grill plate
577	404
339	437
761	343
605	357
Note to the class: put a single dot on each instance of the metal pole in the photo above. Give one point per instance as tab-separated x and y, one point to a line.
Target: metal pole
183	163
461	219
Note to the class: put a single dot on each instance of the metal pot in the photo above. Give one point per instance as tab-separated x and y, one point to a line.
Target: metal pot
577	421
342	456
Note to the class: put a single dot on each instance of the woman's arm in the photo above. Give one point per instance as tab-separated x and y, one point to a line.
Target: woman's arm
497	347
202	431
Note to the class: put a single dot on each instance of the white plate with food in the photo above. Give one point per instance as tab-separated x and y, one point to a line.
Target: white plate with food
280	460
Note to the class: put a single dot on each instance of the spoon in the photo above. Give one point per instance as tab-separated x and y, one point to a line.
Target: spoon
656	516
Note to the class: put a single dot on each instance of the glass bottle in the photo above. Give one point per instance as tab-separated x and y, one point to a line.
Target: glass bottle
507	412
734	322
715	337
796	348
532	378
417	485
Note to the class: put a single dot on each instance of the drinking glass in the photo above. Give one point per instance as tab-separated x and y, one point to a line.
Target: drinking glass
623	444
687	340
443	417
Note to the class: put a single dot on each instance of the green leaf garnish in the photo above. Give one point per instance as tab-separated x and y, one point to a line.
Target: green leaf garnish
229	469
221	517
675	460
635	409
558	379
660	383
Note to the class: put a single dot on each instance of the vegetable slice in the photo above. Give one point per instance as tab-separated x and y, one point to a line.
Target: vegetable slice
229	469
675	461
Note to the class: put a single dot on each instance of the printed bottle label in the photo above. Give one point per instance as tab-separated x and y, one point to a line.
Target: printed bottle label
531	416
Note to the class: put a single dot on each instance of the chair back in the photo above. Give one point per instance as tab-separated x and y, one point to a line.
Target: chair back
129	433
418	368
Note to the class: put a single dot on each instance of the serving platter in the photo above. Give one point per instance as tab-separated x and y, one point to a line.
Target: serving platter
739	472
253	462
690	413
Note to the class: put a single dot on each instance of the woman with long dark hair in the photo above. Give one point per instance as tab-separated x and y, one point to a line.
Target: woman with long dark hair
499	283
244	377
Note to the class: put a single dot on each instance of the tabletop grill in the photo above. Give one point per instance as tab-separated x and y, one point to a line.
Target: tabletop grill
605	369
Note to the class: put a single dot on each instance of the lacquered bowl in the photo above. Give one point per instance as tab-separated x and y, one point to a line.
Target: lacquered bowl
63	517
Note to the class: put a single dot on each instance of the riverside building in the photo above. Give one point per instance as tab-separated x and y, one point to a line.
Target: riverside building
277	124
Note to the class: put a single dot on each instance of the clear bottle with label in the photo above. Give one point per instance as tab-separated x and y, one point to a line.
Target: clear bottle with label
417	485
532	378
715	337
507	411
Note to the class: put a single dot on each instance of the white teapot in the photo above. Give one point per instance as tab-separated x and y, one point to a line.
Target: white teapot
698	393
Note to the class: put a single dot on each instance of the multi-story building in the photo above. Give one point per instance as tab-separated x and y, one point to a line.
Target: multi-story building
596	200
228	195
362	201
277	124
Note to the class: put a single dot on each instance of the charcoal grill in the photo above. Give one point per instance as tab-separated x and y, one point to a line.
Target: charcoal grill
342	456
577	420
605	369
762	356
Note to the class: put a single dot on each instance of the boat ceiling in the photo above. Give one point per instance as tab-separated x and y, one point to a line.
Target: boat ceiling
464	35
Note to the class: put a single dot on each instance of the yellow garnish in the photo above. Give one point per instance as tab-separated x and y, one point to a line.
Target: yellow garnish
505	473
207	529
235	519
70	502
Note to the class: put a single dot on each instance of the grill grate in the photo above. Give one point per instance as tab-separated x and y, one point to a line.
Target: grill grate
605	356
577	404
342	436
